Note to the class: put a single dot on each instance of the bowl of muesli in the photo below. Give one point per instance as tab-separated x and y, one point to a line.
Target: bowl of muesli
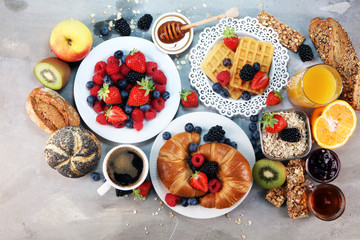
290	143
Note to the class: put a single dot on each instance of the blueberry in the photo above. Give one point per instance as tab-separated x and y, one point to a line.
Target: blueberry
227	141
129	123
217	87
124	95
224	93
189	127
253	143
123	83
107	79
256	67
192	167
144	107
254	118
205	138
222	140
233	144
193	201
193	147
252	127
104	179
99	97
166	135
198	129
245	95
104	31
255	135
118	54
227	62
151	80
184	202
165	95
95	176
90	84
90	100
123	59
155	94
128	109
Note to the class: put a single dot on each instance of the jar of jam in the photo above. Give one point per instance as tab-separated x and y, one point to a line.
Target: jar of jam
323	165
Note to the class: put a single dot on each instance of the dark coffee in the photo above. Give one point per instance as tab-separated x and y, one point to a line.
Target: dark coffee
125	166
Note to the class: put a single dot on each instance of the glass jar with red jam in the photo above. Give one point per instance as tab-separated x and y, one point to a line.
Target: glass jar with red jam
323	165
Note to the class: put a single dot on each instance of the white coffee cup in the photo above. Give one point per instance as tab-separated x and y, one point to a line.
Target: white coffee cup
112	183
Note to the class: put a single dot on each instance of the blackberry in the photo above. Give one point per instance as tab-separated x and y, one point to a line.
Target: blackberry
247	73
145	22
215	134
134	76
123	27
259	155
209	169
290	135
305	53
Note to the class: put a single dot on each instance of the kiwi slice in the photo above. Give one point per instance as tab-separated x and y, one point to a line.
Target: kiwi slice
269	174
52	73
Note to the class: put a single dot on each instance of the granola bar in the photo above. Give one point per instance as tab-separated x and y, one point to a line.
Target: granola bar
288	37
296	192
276	196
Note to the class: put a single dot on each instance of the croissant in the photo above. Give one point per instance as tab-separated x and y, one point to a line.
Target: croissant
234	173
172	166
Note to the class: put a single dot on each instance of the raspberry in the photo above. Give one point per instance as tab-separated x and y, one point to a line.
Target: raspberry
100	67
137	115
160	87
151	67
159	77
101	118
158	104
150	114
99	106
113	60
172	200
124	69
223	77
94	90
214	185
197	160
98	79
138	126
119	124
116	77
112	68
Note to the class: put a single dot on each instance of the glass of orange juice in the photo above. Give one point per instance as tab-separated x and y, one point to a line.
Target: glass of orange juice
314	86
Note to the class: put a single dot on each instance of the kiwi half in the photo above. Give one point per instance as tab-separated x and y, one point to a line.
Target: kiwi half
269	174
52	73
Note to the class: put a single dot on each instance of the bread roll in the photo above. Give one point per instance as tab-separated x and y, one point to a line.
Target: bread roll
335	49
72	151
50	111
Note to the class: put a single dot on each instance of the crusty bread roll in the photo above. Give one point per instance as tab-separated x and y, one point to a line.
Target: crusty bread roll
335	49
172	165
72	151
234	172
50	111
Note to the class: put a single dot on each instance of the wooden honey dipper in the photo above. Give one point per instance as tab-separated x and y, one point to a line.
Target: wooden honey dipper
173	31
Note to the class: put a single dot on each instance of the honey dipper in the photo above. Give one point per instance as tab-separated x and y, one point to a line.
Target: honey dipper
173	31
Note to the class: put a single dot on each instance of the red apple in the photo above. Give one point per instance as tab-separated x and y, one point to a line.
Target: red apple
71	40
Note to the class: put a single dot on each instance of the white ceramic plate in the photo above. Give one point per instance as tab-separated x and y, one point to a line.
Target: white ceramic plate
86	72
205	120
243	27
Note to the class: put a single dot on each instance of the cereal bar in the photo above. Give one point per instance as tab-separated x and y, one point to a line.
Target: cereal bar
296	192
276	196
288	37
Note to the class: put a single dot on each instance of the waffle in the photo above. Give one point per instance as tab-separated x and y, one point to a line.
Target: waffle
212	66
250	51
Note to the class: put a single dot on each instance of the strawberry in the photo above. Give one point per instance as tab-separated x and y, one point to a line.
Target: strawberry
273	123
115	114
171	199
110	95
139	94
260	81
189	98
223	77
142	190
199	181
136	61
274	97
231	40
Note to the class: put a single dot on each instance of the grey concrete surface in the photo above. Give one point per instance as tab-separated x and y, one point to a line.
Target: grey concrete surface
38	203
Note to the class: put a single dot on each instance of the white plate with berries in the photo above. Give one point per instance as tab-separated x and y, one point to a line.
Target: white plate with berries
127	96
205	120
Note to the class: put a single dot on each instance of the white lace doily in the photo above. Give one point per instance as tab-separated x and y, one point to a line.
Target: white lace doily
243	27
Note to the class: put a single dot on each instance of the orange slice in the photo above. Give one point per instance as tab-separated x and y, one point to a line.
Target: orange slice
333	124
